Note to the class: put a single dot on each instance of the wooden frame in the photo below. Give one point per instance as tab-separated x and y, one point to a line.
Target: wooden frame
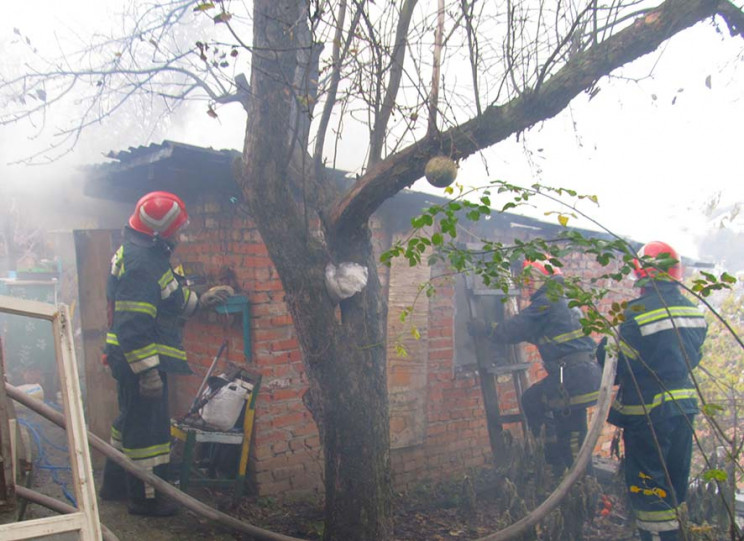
85	521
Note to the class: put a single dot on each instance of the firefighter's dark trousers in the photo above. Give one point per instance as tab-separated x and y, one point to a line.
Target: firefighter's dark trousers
559	408
656	493
142	433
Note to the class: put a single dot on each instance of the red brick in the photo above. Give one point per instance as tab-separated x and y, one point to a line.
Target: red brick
292	419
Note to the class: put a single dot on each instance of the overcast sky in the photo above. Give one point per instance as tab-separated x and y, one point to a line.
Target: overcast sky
653	151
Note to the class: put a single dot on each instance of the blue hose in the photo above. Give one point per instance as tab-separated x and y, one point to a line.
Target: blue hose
42	461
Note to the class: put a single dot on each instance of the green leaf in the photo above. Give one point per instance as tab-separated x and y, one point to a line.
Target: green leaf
726	277
715	475
711	409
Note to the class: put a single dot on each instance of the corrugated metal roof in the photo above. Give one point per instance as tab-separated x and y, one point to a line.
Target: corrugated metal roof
178	167
191	170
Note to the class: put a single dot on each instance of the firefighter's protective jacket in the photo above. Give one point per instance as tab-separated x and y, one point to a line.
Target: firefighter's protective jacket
147	307
660	343
549	324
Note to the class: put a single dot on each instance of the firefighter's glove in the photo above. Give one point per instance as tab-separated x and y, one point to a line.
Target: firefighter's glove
151	384
478	327
601	352
214	296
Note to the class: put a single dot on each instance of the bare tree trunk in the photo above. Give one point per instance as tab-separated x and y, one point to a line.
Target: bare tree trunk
344	349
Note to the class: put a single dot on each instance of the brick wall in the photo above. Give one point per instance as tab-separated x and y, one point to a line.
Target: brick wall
285	453
446	432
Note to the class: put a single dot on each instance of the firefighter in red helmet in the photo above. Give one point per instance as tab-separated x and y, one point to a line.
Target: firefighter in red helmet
159	214
557	403
148	304
660	343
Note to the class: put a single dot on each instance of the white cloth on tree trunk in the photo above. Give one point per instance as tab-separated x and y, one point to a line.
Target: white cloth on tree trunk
345	280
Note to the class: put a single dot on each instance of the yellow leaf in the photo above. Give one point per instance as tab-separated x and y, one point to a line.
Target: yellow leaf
204	6
563	220
415	333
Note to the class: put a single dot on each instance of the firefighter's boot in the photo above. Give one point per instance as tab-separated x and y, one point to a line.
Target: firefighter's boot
139	504
114	482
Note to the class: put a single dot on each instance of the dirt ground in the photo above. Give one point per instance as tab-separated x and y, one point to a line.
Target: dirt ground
419	516
433	513
458	510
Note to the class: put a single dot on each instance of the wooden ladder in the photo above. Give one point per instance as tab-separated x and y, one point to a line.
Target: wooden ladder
494	361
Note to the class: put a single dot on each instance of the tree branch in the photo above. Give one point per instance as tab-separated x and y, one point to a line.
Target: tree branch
396	73
581	72
436	69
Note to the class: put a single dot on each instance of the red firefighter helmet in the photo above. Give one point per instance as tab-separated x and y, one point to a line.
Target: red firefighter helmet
159	213
540	267
655	249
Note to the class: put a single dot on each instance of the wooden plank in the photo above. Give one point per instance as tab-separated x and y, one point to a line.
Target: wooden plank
499	370
7	472
488	390
42	527
516	357
487	292
23	307
77	438
93	251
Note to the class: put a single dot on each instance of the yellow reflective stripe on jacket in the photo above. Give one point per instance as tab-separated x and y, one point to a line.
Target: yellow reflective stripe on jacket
578	400
587	398
665	313
168	284
116	439
629	351
134	306
117	262
568	336
149	457
562	338
659	399
657	516
151	349
148	452
143	358
671	317
171	351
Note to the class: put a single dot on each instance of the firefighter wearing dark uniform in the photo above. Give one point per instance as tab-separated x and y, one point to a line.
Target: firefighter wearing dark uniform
148	305
558	402
660	342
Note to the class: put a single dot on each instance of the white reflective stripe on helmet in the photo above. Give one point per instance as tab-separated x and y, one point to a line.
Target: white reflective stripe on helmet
163	223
